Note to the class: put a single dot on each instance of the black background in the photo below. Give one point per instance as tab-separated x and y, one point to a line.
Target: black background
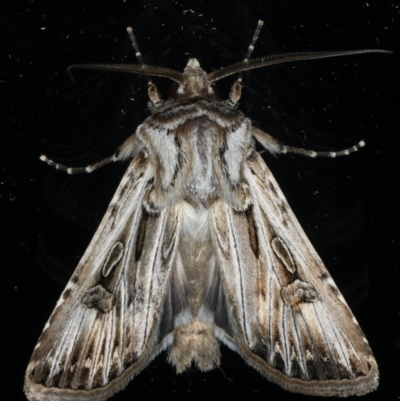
348	206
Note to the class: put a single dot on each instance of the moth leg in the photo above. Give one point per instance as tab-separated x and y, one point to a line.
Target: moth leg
236	89
152	90
78	170
130	148
275	147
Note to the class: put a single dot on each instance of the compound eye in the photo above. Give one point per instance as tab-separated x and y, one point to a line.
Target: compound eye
215	90
173	91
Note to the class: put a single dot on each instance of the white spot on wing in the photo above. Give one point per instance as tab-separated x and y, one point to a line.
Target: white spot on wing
59	302
224	338
330	282
341	299
183	318
277	348
309	355
205	315
293	355
166	342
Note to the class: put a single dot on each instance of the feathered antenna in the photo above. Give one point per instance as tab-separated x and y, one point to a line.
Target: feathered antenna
282	58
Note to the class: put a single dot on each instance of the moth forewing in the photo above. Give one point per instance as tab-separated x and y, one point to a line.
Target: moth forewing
104	328
199	245
307	337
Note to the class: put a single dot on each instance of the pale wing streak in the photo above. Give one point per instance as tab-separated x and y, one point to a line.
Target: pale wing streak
298	343
290	327
332	340
97	355
109	326
270	311
336	340
285	343
339	335
316	356
316	335
122	320
154	262
62	346
239	271
71	335
91	325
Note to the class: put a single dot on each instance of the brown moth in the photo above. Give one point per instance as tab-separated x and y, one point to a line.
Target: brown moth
199	246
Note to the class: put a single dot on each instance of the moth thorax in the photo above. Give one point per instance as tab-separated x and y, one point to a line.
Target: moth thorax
195	82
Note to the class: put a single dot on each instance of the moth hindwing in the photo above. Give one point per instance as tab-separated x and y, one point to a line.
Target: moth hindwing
199	246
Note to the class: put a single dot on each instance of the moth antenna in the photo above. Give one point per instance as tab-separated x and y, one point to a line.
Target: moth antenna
143	69
252	46
152	90
135	45
236	89
283	58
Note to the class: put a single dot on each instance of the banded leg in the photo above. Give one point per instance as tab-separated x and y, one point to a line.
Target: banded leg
130	148
275	147
79	170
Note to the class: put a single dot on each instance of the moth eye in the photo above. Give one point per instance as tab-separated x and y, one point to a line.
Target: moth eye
173	90
215	90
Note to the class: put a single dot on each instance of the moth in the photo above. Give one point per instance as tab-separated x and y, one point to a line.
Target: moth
199	247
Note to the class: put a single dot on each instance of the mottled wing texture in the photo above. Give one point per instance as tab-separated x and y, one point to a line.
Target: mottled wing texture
104	328
288	319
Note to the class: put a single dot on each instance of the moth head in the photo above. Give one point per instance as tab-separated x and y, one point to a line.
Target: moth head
194	82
